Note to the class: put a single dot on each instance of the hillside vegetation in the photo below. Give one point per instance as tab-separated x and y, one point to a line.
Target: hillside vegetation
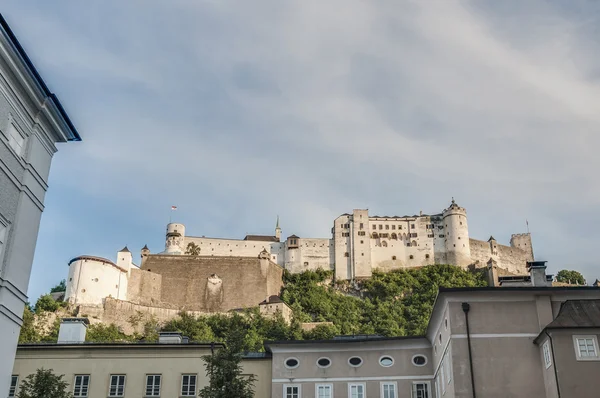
396	303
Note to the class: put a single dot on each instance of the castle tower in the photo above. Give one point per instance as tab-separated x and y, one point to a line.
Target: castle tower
523	242
458	251
175	237
145	253
278	231
124	259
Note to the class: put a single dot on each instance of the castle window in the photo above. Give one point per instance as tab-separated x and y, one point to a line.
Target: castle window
375	235
431	236
374	226
394	236
442	236
461	223
380	226
362	241
412	226
384	235
393	227
414	243
399	226
361	226
427	256
459	237
387	227
384	244
413	235
455	245
346	254
411	257
362	254
70	279
306	263
393	257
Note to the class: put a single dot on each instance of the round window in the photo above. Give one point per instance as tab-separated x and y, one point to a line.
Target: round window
291	363
323	362
355	361
386	361
419	360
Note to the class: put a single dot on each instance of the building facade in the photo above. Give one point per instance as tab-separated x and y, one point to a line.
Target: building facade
32	121
361	243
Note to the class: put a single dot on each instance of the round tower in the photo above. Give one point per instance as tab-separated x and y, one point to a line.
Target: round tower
175	237
458	251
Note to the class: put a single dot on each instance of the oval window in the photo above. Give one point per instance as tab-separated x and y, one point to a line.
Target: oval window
323	362
386	361
291	363
419	360
355	361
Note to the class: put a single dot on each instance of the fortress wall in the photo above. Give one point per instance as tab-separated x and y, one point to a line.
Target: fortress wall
144	287
240	282
236	247
382	256
480	251
511	259
311	254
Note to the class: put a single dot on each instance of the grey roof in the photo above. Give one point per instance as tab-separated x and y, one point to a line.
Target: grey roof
145	247
272	300
124	250
261	238
577	314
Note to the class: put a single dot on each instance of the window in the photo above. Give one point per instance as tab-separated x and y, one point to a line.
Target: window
153	385
547	357
361	233
427	256
323	362
419	360
420	390
411	257
393	227
356	391
14	381
81	385
346	254
412	226
413	235
442	236
380	226
374	226
188	385
324	391
345	234
441	375
361	226
448	367
355	361
384	244
586	348
399	226
117	386
388	390
387	227
15	139
430	235
386	361
393	257
291	391
292	363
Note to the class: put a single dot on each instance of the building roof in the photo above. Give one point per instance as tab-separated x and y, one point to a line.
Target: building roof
53	98
272	300
124	250
261	238
577	314
342	340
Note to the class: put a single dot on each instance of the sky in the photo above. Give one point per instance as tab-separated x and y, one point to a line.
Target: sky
239	111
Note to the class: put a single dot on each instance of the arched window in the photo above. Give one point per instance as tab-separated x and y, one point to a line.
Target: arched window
374	235
411	257
394	236
414	243
384	244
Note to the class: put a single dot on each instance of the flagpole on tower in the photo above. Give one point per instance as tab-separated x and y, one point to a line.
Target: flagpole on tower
527	222
173	208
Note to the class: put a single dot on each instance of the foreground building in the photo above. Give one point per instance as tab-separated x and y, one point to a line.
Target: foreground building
493	342
32	121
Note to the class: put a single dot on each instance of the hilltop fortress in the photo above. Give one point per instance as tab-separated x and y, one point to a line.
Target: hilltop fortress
229	274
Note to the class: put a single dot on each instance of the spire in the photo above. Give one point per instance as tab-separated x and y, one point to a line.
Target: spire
124	250
277	226
277	230
145	247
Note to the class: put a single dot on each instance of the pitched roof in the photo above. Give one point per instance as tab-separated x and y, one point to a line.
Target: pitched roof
272	300
261	238
577	314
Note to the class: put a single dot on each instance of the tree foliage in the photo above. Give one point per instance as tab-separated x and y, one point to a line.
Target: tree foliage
570	276
102	333
61	287
192	249
46	303
44	384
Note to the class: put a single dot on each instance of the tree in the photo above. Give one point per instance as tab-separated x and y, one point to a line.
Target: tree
44	384
46	303
61	287
224	371
192	249
570	276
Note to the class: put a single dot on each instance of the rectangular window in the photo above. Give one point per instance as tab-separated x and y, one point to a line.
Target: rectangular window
374	226
81	385
380	226
356	391
420	390
430	235
324	391
291	391
586	348
388	390
188	385
547	356
14	381
399	226
117	386
15	139
387	227
412	226
153	385
413	235
393	227
361	226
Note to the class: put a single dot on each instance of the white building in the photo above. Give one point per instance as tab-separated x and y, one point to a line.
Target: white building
32	121
361	243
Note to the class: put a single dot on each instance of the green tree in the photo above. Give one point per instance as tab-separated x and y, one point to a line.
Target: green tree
192	249
570	276
46	303
29	333
44	384
61	287
224	371
101	333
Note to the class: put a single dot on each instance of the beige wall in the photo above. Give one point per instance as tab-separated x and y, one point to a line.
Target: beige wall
135	361
340	373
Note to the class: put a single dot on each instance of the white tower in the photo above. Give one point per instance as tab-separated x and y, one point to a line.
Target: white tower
124	259
458	251
175	237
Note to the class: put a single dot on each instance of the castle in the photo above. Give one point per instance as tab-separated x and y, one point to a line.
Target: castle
236	273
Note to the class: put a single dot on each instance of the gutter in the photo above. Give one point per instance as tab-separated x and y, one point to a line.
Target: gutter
466	307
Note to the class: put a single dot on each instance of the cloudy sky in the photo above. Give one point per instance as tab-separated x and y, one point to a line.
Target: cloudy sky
239	111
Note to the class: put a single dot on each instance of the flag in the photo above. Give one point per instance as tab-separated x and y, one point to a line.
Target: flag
173	207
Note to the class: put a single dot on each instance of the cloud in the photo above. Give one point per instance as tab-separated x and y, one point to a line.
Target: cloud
237	112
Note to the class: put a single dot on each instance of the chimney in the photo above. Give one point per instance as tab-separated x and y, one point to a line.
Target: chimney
170	338
72	330
537	272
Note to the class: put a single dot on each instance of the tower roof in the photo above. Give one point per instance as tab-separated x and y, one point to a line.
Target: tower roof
491	238
124	250
145	247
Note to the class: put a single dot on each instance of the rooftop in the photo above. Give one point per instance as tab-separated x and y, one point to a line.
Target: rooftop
577	314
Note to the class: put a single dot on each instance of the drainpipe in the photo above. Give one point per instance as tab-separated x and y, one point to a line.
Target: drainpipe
553	363
466	307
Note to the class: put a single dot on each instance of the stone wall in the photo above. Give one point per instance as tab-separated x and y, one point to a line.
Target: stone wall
144	287
311	254
214	284
513	260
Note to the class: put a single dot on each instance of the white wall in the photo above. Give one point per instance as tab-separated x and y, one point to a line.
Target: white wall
90	281
310	254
